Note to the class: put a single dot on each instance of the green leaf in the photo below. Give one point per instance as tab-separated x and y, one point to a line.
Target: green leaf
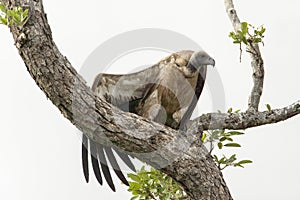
229	139
220	145
216	158
235	133
232	35
10	22
229	110
244	27
17	18
268	107
263	30
3	8
204	136
232	145
10	13
3	21
134	186
221	161
166	196
134	197
232	157
230	160
25	13
244	39
134	177
238	165
244	162
240	34
257	40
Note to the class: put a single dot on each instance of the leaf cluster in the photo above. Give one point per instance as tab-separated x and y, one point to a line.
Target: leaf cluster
17	16
248	34
224	138
153	184
224	162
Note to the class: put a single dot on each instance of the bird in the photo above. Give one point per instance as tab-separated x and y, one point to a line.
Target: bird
166	92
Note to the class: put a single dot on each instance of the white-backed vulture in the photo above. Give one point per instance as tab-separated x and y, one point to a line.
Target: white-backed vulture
166	93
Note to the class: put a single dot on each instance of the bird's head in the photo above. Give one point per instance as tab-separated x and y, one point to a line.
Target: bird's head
200	59
189	62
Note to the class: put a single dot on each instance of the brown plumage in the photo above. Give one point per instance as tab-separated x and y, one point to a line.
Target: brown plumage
166	93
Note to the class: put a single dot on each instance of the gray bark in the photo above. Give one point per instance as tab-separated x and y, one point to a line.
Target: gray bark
244	120
181	154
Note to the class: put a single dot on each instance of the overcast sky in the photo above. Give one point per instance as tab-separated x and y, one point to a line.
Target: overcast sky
40	150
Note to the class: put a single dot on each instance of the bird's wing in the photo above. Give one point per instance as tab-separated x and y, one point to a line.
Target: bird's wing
123	91
126	88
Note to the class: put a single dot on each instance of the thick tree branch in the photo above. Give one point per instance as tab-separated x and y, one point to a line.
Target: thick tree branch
257	62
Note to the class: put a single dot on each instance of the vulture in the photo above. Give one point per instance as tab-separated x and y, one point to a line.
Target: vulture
166	92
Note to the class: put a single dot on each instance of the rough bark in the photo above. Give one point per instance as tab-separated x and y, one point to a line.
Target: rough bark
181	154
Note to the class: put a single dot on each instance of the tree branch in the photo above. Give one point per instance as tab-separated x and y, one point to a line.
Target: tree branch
238	121
257	62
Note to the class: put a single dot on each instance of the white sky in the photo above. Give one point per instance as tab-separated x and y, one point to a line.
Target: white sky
40	150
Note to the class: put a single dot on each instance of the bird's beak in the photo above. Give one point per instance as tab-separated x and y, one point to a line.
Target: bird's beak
211	62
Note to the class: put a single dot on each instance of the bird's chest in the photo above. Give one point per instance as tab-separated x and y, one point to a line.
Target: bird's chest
169	98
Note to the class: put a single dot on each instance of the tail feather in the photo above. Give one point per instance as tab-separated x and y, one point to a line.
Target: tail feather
126	159
112	159
98	156
104	167
95	162
85	164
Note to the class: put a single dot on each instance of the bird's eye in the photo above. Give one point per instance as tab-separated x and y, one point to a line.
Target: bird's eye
177	64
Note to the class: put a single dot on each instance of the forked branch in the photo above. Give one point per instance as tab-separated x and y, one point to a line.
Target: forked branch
257	62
